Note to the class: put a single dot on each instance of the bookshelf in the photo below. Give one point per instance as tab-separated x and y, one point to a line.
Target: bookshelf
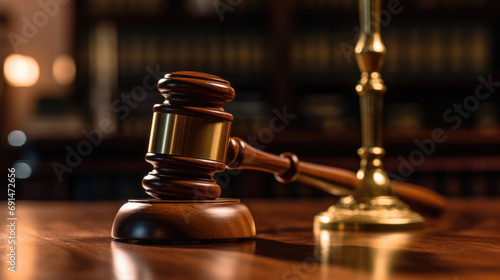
289	53
293	54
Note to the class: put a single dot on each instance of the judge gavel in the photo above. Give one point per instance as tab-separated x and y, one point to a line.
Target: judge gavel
190	142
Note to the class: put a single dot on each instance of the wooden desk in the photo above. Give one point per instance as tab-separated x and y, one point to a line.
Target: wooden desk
71	240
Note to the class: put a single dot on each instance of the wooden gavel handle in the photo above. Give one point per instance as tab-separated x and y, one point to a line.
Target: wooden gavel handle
287	168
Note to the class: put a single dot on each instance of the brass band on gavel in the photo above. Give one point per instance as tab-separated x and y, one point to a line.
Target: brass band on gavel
189	136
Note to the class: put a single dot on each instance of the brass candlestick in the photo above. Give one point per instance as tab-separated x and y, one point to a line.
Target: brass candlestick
374	205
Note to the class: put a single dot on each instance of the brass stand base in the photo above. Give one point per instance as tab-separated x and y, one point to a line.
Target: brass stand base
382	213
183	221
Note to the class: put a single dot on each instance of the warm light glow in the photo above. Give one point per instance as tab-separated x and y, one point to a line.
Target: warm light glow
127	264
378	86
219	212
325	219
379	178
377	46
377	150
386	249
21	70
325	241
64	69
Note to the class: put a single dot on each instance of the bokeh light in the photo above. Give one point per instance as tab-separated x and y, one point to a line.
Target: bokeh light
16	138
64	69
23	170
21	70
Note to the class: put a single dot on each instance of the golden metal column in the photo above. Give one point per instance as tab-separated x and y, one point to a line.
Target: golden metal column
374	206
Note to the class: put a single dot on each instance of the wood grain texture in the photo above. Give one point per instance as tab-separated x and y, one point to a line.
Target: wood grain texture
187	221
177	177
71	240
189	88
332	180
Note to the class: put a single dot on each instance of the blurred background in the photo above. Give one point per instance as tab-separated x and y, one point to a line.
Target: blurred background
77	86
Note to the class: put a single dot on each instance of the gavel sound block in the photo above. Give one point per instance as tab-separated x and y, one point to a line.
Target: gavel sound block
190	142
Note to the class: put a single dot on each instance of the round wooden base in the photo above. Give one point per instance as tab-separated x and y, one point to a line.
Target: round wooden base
185	221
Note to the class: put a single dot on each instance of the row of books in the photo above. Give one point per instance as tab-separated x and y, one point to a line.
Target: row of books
416	50
123	7
427	5
326	4
220	53
204	7
332	111
462	184
327	112
160	7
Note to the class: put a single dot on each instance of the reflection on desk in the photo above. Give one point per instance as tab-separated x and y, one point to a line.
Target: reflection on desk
71	240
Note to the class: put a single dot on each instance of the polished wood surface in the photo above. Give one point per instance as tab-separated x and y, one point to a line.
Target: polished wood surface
71	240
337	181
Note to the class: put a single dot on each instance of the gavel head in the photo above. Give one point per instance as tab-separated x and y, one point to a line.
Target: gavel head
189	136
